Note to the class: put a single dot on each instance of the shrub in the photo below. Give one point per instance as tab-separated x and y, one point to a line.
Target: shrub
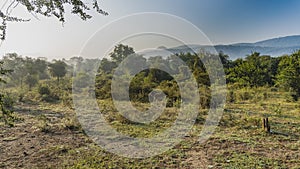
71	123
44	90
50	91
46	94
6	108
8	102
43	124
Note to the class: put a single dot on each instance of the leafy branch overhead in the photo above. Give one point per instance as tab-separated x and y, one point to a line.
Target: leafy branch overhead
48	8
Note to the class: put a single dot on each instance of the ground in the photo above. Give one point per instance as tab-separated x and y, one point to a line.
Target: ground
49	136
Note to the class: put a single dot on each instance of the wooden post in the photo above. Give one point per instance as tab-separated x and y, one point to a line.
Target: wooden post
265	125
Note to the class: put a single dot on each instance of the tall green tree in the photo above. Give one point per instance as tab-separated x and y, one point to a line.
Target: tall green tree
120	52
58	69
41	66
253	71
288	76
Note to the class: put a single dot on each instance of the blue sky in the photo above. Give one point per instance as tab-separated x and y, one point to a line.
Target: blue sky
223	21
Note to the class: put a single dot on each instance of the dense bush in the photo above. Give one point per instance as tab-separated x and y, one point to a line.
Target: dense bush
49	91
44	90
6	109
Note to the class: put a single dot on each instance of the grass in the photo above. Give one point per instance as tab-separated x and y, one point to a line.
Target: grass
247	160
238	142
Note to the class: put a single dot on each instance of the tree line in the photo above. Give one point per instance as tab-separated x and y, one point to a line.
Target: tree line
254	70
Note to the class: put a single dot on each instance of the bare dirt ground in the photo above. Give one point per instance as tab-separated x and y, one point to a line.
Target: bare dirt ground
26	145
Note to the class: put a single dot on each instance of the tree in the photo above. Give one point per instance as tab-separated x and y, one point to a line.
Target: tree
58	69
225	60
121	52
195	65
288	76
254	71
107	66
31	80
48	8
23	66
4	104
41	67
12	60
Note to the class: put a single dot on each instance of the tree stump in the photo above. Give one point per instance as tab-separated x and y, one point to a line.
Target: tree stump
265	125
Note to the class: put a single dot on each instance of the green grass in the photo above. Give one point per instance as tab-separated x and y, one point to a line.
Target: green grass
247	160
238	142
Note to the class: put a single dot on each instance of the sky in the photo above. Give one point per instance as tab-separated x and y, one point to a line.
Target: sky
222	21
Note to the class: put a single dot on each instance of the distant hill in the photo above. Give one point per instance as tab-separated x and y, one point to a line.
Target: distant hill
288	41
274	47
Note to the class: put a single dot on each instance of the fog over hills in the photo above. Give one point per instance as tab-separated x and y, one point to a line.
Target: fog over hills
274	47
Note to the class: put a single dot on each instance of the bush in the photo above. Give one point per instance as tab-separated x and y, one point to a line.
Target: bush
44	90
71	123
46	94
49	91
6	108
8	102
43	124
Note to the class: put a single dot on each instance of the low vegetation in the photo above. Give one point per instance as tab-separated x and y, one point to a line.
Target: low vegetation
39	127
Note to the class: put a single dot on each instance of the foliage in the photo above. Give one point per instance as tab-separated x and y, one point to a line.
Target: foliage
6	103
245	74
44	90
120	52
58	69
254	71
249	101
48	8
3	72
288	76
23	68
6	108
49	91
107	66
43	124
46	94
144	82
31	80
